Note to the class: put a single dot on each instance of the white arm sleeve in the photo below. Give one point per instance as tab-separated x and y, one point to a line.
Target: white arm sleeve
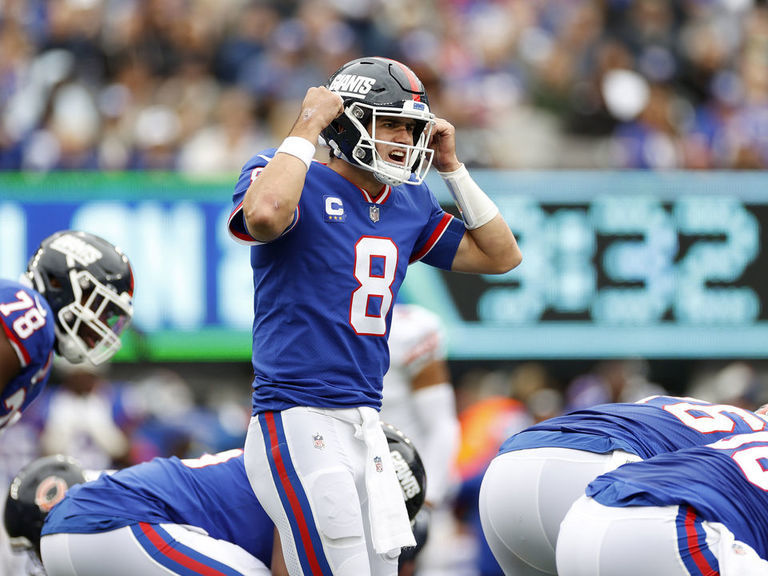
436	409
475	206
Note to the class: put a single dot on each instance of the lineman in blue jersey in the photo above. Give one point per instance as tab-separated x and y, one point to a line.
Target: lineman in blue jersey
166	516
330	248
75	298
539	472
701	511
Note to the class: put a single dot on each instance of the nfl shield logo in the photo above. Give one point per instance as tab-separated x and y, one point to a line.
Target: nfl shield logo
379	465
317	441
373	212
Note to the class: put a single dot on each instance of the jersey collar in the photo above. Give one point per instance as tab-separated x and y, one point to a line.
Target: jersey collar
381	198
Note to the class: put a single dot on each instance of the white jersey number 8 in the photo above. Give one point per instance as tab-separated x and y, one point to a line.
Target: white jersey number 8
375	267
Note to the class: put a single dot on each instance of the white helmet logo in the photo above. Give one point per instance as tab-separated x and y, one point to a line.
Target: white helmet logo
74	247
352	84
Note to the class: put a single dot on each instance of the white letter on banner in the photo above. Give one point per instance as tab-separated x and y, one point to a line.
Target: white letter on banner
166	247
13	245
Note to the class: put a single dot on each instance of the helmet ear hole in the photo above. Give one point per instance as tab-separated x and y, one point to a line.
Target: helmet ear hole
418	129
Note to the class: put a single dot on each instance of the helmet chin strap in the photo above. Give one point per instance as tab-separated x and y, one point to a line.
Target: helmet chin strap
390	174
388	180
26	280
68	348
380	176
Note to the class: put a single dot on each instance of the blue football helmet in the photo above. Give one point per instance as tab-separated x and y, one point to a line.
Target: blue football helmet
372	88
88	283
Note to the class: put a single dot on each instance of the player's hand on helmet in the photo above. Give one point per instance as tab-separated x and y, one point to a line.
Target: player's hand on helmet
443	142
319	108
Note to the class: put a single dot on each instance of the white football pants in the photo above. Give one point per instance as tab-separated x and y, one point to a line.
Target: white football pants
146	549
524	496
307	468
597	540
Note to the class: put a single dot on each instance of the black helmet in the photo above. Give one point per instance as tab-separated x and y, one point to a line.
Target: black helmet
372	87
39	486
88	283
409	468
420	526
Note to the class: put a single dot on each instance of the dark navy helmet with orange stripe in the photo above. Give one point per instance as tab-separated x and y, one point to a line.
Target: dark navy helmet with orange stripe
88	283
372	88
37	488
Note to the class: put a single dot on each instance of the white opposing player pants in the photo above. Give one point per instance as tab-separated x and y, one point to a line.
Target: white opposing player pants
524	496
307	468
597	540
149	550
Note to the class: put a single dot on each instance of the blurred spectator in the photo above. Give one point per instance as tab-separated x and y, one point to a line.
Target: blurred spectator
171	421
737	383
532	384
487	418
228	141
83	417
130	85
611	381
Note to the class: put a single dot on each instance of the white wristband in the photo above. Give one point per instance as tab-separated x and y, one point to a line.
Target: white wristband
475	206
299	147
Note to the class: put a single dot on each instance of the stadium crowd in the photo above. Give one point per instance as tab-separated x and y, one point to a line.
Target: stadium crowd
198	85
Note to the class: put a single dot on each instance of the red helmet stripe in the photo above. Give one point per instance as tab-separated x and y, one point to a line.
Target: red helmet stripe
414	81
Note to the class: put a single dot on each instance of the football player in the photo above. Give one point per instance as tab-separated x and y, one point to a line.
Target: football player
697	511
418	397
166	516
75	298
539	472
330	245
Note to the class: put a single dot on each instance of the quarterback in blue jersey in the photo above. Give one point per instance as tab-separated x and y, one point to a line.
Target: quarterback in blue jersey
540	472
700	511
330	247
75	298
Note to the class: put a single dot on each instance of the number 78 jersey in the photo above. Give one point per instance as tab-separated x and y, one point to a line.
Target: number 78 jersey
324	290
27	323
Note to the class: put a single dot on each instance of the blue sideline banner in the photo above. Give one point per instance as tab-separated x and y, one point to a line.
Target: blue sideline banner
616	264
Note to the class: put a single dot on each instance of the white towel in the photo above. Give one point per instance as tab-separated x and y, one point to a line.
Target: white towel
390	525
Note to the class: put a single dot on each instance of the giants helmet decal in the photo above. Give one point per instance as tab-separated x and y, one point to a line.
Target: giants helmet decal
36	489
408	467
373	88
88	283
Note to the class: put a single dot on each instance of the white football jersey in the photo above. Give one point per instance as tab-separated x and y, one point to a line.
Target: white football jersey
416	338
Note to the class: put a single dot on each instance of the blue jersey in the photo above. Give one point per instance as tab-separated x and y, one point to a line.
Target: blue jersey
211	492
724	482
324	290
651	426
27	321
